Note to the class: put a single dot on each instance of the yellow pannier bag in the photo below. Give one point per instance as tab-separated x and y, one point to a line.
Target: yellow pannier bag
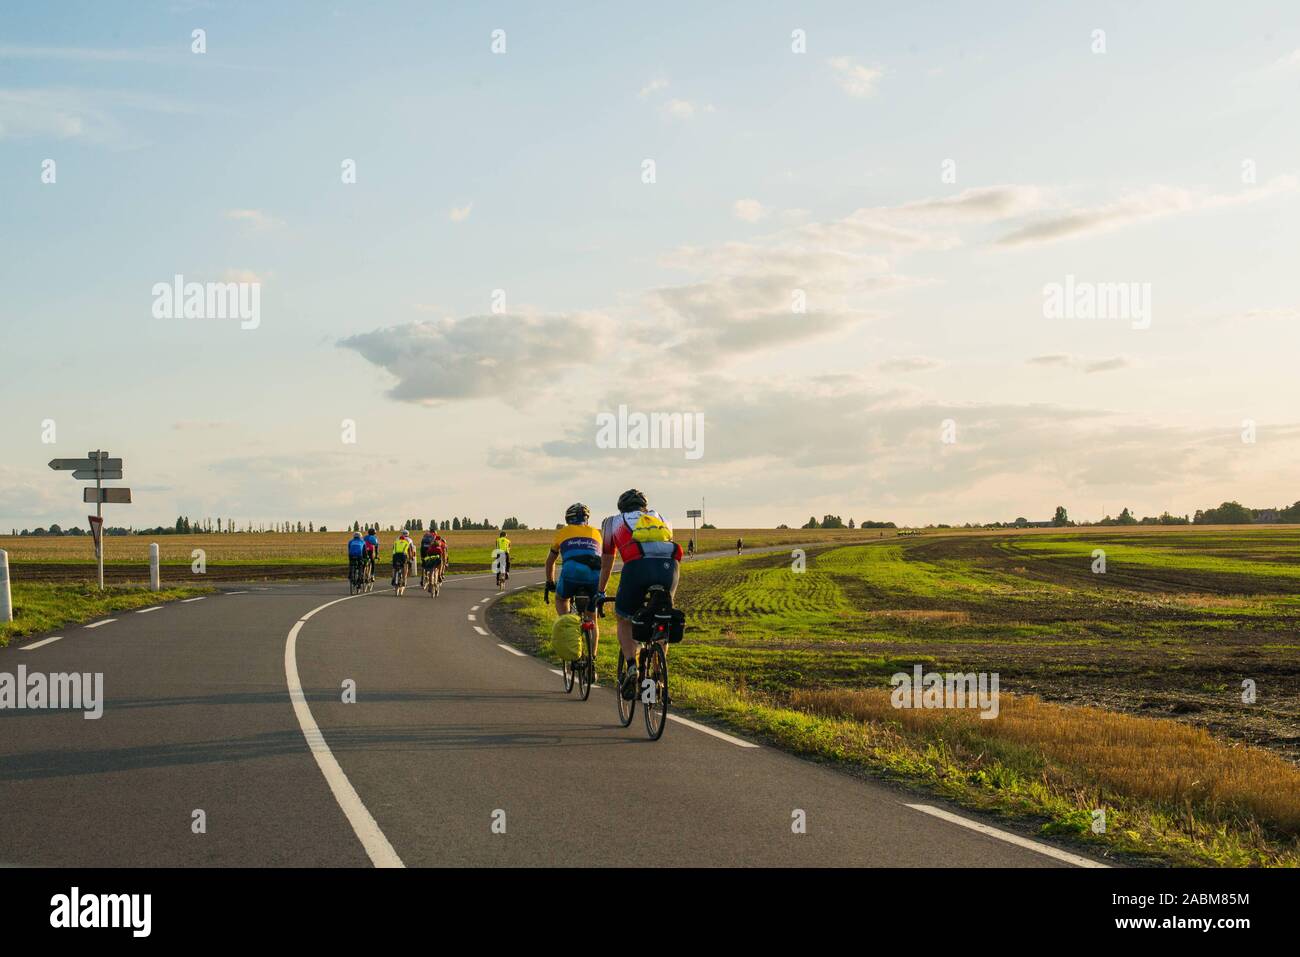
566	637
650	528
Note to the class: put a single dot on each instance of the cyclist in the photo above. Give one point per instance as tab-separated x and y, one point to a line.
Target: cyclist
690	548
440	544
577	546
503	550
639	535
740	543
356	556
403	554
429	555
372	548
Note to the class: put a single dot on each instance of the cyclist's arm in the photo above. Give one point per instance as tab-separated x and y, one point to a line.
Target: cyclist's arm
550	566
606	567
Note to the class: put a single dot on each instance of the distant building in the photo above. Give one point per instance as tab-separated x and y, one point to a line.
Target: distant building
1267	515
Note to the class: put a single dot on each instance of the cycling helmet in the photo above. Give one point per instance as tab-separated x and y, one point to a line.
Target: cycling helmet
631	501
356	534
577	514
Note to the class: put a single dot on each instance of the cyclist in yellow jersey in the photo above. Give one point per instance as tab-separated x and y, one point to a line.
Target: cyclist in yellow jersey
503	549
403	555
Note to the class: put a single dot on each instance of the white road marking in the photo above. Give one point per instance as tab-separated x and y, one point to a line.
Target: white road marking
145	611
37	644
376	845
738	742
513	651
236	593
472	617
106	621
1046	849
475	608
480	630
556	671
186	601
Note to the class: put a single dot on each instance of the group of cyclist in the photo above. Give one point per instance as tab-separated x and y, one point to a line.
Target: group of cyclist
364	550
637	534
640	537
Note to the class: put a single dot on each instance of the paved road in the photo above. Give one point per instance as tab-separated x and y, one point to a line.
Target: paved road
450	733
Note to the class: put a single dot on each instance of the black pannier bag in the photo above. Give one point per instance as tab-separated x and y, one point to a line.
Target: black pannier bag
645	625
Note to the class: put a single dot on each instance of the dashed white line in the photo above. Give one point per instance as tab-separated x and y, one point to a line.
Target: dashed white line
186	601
472	617
1046	849
145	611
738	742
475	608
36	644
513	651
106	621
480	630
378	848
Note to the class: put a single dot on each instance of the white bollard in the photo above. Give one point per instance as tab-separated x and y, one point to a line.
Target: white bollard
6	599
154	583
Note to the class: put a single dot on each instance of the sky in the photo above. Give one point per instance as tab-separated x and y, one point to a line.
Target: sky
843	264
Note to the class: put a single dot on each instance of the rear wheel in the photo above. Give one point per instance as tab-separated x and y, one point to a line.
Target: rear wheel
568	667
655	709
585	667
625	708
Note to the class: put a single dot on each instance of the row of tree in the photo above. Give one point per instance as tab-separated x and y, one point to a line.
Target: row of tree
834	521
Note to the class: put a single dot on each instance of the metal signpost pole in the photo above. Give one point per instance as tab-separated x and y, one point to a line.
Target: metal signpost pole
99	512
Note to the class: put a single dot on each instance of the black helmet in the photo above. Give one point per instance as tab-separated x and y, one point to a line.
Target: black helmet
631	501
577	514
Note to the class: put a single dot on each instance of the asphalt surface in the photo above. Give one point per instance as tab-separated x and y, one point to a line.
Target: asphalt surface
452	737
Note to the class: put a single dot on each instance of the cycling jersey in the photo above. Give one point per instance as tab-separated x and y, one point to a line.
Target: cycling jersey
503	544
402	546
639	534
356	547
372	544
579	544
426	545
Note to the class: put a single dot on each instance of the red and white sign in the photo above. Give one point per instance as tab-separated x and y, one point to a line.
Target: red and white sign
96	529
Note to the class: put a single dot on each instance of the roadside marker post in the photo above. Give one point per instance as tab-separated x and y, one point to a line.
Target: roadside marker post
693	514
6	599
99	466
154	583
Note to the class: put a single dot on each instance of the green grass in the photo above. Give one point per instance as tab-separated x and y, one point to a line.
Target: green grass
40	607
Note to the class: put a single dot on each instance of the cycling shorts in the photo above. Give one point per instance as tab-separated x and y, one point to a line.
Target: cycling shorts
636	578
576	579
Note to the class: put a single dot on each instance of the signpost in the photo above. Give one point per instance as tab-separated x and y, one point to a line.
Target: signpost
98	466
693	514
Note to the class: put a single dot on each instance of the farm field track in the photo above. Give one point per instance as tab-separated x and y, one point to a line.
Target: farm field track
285	557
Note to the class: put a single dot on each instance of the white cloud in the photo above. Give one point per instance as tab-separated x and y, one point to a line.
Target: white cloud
1082	363
459	214
854	78
750	210
909	364
256	218
654	86
683	109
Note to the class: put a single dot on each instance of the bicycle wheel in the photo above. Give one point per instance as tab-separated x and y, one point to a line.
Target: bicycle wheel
625	708
568	670
584	668
656	710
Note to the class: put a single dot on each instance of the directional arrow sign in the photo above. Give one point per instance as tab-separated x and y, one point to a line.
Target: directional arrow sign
66	465
107	496
89	475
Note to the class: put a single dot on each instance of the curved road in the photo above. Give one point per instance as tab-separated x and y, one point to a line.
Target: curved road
451	734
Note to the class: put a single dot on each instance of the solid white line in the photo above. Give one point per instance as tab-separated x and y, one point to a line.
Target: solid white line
381	852
1046	849
37	644
106	621
513	651
738	742
186	601
556	671
472	617
145	611
236	593
480	630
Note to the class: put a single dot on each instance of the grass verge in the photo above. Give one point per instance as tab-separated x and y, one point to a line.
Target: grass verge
41	607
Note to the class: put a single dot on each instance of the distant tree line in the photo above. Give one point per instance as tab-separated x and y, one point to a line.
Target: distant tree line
834	521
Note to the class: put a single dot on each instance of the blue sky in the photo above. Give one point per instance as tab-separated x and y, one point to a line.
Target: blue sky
774	170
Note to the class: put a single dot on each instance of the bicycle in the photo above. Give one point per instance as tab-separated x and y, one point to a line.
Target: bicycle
502	563
656	623
368	574
431	580
399	580
356	576
583	670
